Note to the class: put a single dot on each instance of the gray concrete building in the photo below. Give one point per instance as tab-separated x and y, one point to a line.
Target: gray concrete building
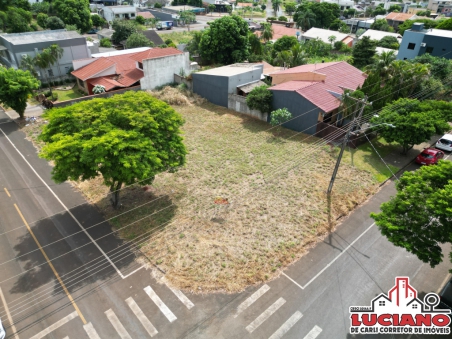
216	84
16	45
417	41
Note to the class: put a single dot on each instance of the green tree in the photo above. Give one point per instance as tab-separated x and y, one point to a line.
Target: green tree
359	32
394	8
349	106
123	29
415	121
440	68
381	63
255	44
40	7
74	12
381	25
140	20
18	20
389	42
363	52
105	42
348	13
419	218
290	8
305	20
282	18
285	43
337	24
225	41
15	88
27	64
263	7
267	32
279	117
445	24
41	19
299	56
137	40
212	8
409	23
325	13
127	139
260	98
276	4
379	10
54	22
332	39
98	21
193	45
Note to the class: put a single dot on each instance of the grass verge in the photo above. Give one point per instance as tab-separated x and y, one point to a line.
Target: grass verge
67	95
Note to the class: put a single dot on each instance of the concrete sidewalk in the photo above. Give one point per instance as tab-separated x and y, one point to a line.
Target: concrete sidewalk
30	111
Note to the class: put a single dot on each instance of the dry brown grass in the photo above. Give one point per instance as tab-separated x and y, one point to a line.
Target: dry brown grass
178	97
275	213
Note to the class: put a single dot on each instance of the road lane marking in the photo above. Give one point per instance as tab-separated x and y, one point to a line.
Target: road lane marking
284	274
248	302
8	315
66	337
265	315
181	296
141	317
90	331
156	299
332	261
51	266
286	326
54	326
64	206
9	195
313	333
117	324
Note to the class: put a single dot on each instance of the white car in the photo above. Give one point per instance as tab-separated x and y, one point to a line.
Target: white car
2	330
445	143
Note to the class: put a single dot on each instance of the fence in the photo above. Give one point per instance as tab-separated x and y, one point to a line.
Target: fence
181	80
238	104
89	97
325	130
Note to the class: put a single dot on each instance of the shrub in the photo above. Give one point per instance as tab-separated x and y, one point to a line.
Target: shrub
163	46
280	116
41	19
47	93
140	20
282	18
105	42
168	41
54	96
338	45
157	5
34	27
271	18
98	89
260	98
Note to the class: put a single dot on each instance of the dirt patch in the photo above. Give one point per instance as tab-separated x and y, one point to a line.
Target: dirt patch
276	203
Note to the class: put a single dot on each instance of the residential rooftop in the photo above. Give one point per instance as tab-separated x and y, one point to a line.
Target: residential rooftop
378	35
40	36
231	70
324	34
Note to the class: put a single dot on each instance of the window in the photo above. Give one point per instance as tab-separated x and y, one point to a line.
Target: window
116	15
429	50
132	15
411	45
50	72
414	306
66	69
381	303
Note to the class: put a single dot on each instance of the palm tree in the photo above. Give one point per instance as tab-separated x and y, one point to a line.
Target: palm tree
305	20
332	39
44	60
255	44
299	57
276	4
284	59
381	64
57	52
267	32
27	64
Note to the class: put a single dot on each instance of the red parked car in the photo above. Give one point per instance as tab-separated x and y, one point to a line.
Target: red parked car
429	156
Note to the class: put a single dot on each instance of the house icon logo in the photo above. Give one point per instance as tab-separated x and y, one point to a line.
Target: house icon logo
401	312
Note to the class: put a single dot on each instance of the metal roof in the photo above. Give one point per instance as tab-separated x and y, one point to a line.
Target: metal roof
249	87
40	36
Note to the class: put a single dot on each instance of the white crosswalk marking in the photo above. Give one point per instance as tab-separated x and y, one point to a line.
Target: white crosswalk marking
248	302
56	325
265	315
90	331
313	333
156	299
141	317
287	326
182	297
117	324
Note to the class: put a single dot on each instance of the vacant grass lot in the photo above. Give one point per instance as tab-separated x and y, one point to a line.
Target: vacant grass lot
67	95
275	187
177	37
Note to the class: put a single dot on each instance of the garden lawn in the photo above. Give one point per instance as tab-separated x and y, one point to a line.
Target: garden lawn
177	37
275	188
67	95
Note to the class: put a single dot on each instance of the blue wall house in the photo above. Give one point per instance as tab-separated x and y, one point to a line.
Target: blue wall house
417	41
312	93
217	83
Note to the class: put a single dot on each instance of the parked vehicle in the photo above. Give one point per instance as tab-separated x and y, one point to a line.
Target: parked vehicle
446	296
92	31
2	330
429	156
445	143
164	25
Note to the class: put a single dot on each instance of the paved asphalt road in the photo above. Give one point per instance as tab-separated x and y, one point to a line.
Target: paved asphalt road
106	294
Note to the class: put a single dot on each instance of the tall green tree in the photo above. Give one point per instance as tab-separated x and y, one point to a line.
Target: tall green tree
305	20
445	24
413	121
325	13
74	12
290	8
267	32
255	44
363	52
18	20
15	88
440	68
98	21
126	139
44	60
381	25
394	8
389	42
123	29
419	217
225	41
276	4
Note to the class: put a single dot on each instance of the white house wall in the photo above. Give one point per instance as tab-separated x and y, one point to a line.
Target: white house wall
160	71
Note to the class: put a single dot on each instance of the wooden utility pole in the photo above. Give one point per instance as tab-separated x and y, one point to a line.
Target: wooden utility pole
347	136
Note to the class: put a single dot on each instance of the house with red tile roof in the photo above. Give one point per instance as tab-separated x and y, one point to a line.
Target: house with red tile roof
312	93
120	70
395	19
280	30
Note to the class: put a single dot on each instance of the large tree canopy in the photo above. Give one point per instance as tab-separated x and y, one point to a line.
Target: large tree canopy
413	121
225	41
74	12
123	29
127	138
419	217
324	13
15	87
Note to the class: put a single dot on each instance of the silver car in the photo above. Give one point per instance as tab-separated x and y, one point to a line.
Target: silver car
445	143
2	330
